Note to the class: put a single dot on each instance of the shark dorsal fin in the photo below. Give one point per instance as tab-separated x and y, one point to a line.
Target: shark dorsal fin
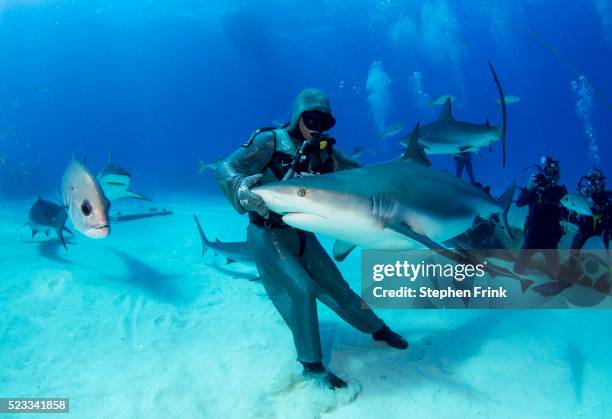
414	151
446	113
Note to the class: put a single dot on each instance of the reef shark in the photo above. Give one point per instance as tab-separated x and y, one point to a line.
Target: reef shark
401	204
232	251
447	135
47	216
115	182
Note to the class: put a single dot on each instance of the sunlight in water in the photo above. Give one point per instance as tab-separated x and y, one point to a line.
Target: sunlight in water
584	104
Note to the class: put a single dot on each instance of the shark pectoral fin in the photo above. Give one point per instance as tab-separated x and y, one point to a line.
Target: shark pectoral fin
60	235
47	233
257	278
67	230
34	233
406	230
229	260
134	195
342	250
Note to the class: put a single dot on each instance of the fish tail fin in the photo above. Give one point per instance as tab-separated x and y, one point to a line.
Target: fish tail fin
202	235
502	101
505	201
202	166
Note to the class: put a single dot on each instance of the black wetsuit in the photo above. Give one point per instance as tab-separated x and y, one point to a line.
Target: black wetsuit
464	160
543	224
600	225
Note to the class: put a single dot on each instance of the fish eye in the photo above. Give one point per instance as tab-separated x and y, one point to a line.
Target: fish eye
302	192
86	208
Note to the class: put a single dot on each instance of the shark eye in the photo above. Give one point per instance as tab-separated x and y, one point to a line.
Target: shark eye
86	208
302	192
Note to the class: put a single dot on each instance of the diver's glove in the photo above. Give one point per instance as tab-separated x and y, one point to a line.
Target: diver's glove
248	200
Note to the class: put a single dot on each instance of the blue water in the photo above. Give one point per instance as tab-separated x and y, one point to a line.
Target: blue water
163	84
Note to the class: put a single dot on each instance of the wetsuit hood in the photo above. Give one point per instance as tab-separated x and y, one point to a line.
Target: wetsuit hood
308	100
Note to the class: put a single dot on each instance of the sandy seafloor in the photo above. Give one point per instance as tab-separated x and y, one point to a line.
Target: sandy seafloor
139	325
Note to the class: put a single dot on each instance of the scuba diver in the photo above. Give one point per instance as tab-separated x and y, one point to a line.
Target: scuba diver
543	230
294	268
593	188
464	160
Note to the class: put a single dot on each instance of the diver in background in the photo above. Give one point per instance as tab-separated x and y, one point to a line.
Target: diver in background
593	188
294	267
464	160
543	194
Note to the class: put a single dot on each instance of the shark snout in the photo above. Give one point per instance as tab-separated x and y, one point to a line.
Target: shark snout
275	199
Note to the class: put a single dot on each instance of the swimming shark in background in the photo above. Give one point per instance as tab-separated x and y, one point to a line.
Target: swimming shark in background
447	135
402	204
85	202
391	130
441	100
232	251
115	182
47	216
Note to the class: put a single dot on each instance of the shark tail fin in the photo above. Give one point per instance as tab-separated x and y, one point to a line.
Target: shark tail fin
502	101
202	235
505	201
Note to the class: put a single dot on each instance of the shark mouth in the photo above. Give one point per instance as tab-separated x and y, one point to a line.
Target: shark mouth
301	218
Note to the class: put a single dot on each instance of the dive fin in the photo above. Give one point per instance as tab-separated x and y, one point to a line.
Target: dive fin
414	151
446	113
505	202
202	235
342	250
